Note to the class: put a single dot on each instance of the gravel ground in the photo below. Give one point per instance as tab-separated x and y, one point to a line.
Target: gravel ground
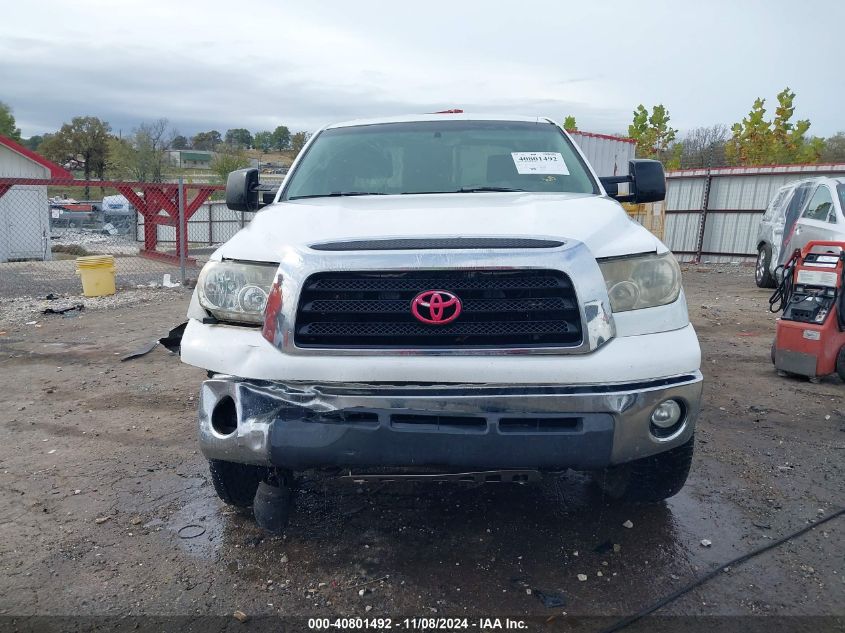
38	279
107	507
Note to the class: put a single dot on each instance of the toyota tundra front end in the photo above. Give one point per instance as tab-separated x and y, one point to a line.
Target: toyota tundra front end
450	296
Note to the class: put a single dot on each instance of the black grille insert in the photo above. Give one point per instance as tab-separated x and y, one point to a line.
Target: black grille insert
424	422
501	309
539	425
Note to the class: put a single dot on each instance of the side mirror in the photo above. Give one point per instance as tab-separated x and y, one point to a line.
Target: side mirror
645	182
245	193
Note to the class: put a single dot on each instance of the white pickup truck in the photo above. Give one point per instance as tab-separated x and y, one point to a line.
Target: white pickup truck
444	296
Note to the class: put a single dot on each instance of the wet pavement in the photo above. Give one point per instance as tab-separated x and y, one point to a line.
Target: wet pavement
107	507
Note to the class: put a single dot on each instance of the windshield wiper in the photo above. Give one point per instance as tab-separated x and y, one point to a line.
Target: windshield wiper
477	189
463	190
339	194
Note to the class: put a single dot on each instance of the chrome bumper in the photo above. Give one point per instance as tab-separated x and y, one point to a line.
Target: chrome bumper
297	426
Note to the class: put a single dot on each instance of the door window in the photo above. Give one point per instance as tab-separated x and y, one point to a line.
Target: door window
820	205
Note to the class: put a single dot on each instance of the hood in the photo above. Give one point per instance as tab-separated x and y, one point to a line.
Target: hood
598	222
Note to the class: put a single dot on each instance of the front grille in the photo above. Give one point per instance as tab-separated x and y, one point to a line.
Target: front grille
500	309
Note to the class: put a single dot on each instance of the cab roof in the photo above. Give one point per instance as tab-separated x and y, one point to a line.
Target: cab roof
444	116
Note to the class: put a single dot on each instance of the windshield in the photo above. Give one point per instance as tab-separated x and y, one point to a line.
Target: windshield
439	157
840	189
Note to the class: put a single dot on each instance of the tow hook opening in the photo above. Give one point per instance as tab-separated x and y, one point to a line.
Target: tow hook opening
224	417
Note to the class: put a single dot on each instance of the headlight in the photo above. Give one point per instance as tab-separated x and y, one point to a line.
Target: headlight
641	281
232	291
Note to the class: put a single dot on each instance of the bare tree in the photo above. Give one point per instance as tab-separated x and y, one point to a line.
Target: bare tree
705	146
143	155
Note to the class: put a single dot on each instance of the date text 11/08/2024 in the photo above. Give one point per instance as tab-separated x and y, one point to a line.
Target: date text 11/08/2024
416	624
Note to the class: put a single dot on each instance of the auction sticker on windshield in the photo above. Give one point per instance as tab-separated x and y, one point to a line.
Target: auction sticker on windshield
539	163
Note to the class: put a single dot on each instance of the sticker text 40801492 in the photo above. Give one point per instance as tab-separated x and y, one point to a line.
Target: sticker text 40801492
539	163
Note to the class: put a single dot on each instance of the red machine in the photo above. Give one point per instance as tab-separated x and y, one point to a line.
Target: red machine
810	338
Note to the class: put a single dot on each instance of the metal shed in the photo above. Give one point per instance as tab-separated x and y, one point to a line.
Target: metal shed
24	209
609	155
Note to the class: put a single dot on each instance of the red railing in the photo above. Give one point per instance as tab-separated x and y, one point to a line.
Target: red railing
149	199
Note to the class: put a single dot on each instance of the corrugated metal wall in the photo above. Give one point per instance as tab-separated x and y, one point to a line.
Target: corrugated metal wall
736	201
608	155
213	223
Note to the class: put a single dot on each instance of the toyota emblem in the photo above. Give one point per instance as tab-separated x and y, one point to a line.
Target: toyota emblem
436	307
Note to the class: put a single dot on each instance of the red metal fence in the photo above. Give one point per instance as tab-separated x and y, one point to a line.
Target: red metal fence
149	199
42	229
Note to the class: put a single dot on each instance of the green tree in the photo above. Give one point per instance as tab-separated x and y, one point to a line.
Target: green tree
207	141
758	141
179	142
228	159
239	137
569	124
7	123
263	141
33	142
281	138
298	141
834	149
652	132
83	141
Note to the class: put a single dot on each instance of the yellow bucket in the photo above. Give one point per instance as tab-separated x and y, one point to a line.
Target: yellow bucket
97	274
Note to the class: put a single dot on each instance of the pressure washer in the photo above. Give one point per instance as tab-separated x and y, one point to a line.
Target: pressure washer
810	336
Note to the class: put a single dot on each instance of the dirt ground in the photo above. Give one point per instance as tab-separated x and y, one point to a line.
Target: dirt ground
106	505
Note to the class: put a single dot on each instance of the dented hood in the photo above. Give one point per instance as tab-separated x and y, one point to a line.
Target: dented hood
599	222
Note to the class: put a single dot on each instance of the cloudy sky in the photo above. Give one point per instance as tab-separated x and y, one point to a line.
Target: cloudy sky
259	63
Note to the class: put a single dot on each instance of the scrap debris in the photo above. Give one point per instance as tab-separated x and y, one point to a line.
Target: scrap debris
172	342
63	309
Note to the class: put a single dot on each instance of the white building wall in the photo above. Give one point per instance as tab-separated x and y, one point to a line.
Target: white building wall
24	210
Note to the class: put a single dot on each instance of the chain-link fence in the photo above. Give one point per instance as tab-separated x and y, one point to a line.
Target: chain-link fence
46	224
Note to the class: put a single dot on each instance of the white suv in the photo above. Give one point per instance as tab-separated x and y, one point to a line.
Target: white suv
800	212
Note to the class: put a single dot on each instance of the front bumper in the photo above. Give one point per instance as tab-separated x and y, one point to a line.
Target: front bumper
299	426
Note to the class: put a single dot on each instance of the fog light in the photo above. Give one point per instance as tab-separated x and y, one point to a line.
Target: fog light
666	414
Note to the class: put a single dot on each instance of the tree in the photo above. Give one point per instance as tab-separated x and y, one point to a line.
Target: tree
263	141
239	137
569	124
207	141
834	149
652	133
33	142
179	142
298	141
758	141
7	123
83	141
227	160
704	147
141	156
281	138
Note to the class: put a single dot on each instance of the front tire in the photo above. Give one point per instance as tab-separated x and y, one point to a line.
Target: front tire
235	483
762	272
650	479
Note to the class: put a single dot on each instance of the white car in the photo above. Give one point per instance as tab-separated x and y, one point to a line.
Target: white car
447	296
800	212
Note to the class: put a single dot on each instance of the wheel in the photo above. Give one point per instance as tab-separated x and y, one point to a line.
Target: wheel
840	363
650	479
273	505
234	483
762	273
